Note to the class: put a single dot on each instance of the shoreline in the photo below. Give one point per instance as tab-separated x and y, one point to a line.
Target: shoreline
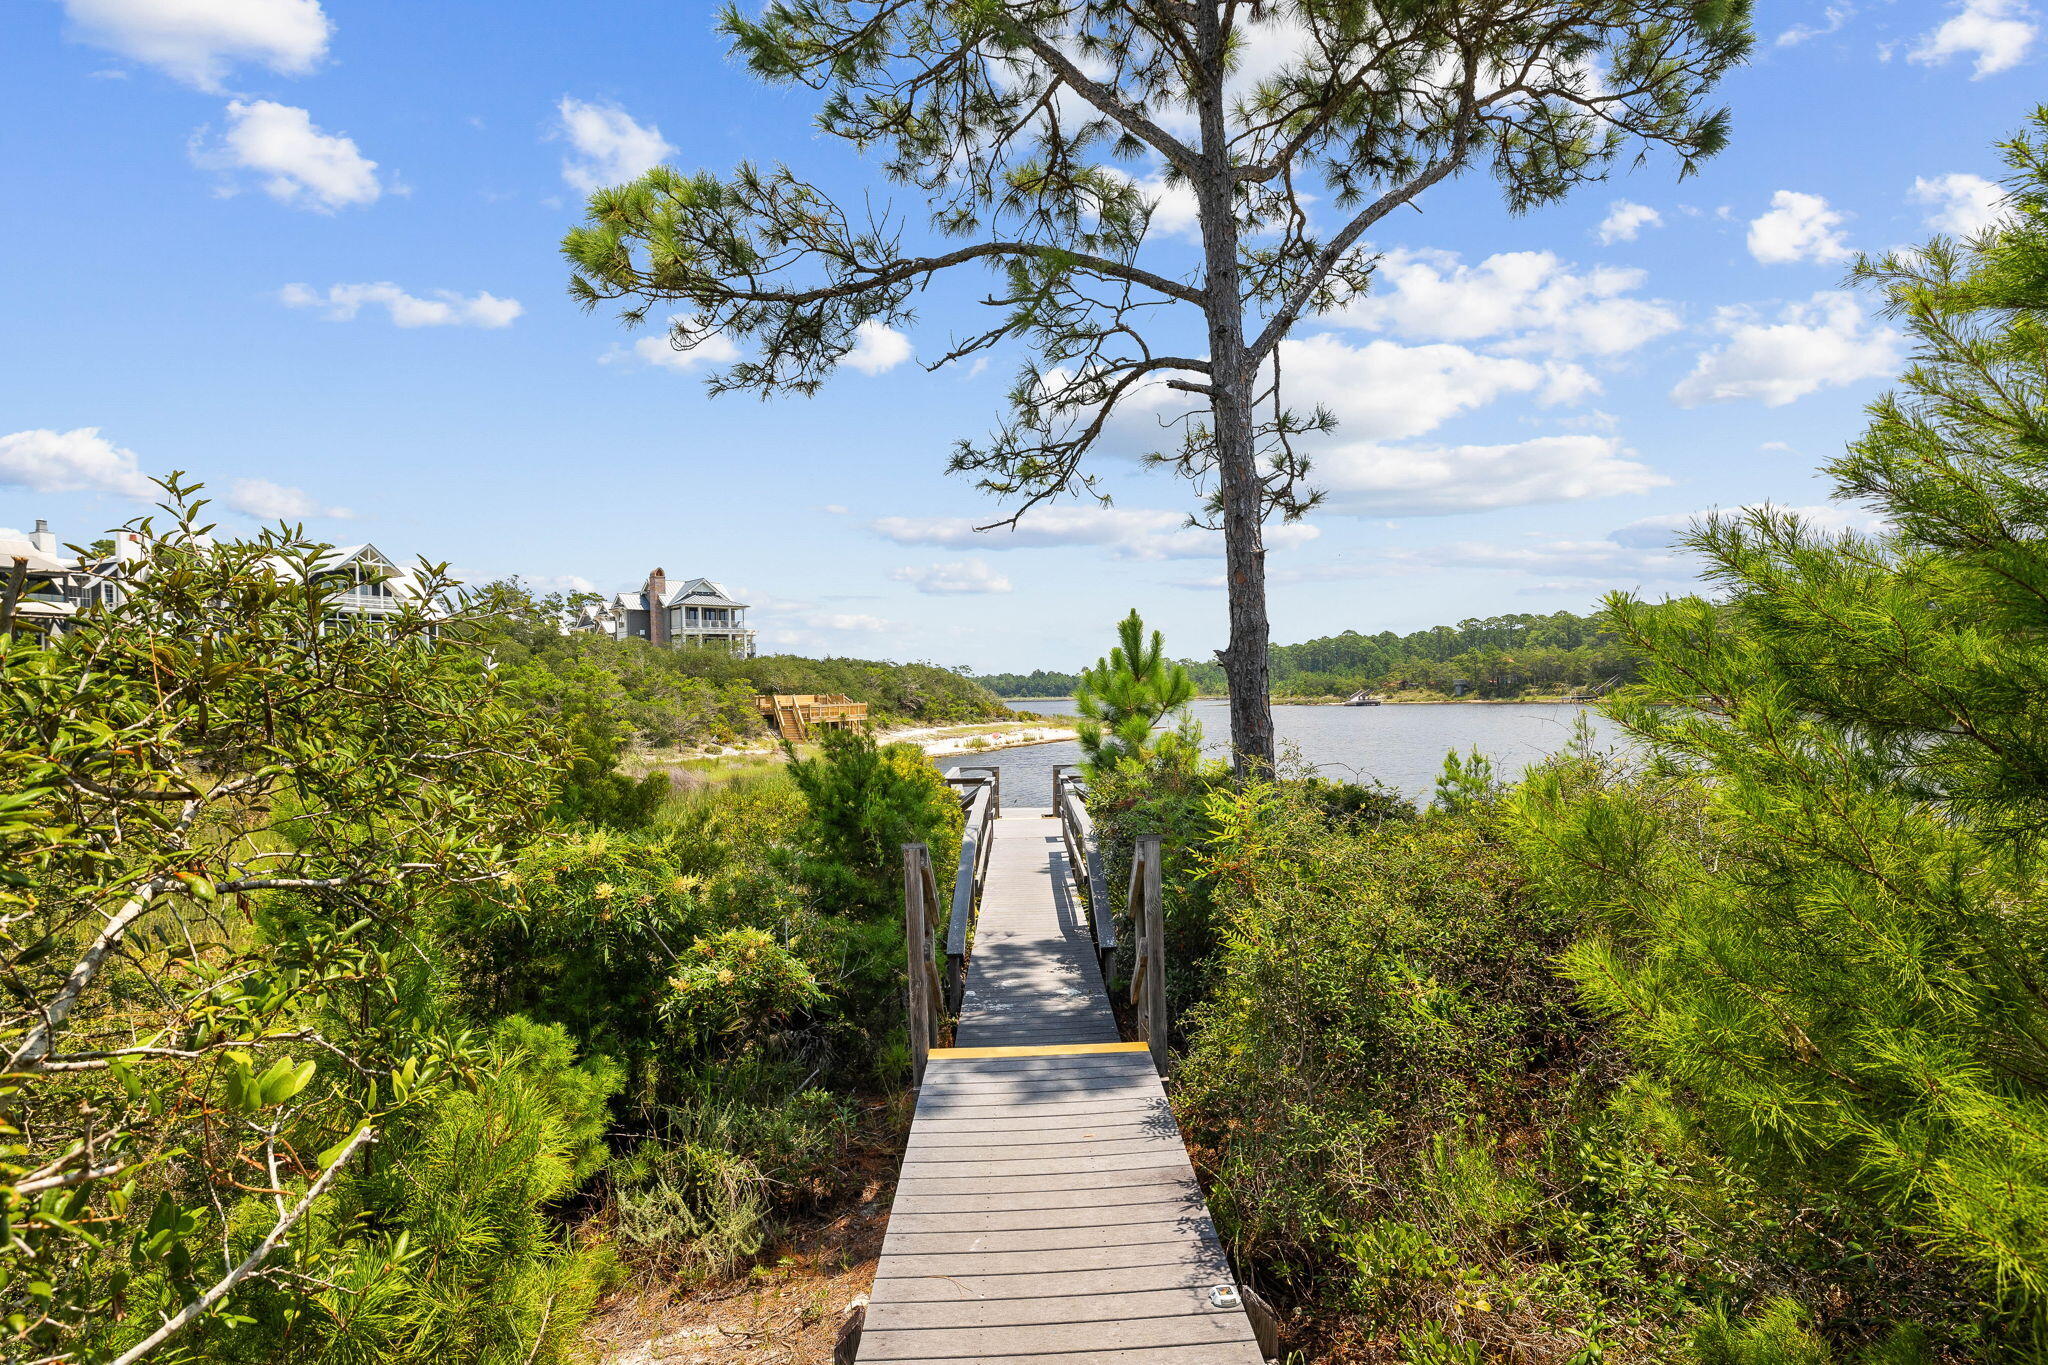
938	744
936	741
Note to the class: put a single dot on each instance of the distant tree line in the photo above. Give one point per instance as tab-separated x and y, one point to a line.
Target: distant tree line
1509	655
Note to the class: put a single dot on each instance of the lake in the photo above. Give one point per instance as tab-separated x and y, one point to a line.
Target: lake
1402	745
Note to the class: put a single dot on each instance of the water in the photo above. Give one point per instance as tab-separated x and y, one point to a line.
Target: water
1402	745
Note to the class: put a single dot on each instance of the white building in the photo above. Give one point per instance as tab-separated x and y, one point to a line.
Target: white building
368	584
56	586
695	614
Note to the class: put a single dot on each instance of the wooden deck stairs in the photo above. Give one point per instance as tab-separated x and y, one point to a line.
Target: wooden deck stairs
795	714
1046	1211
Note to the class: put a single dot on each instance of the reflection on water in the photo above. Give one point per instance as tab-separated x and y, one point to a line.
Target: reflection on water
1402	746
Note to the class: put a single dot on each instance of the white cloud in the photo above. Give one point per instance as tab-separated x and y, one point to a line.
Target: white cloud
296	163
1798	227
1385	391
1530	300
609	146
197	41
557	582
269	501
847	622
962	577
1824	342
1378	480
1832	19
1175	212
1130	533
716	349
1643	552
45	461
1625	221
1964	204
446	309
877	348
1997	33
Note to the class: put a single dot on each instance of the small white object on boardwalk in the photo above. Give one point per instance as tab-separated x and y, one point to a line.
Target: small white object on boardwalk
1046	1211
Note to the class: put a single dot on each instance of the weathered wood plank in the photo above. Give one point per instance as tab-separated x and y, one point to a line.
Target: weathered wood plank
1099	1339
981	1311
1164	1273
1116	1213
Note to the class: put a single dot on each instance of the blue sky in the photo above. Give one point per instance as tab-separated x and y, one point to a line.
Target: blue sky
307	252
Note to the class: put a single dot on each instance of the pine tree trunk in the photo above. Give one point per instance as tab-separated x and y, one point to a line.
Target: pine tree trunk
1245	659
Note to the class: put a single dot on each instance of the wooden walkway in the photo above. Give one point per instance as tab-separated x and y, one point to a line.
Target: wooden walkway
1046	1212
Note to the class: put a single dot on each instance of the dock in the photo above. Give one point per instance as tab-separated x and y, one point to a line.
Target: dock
1046	1211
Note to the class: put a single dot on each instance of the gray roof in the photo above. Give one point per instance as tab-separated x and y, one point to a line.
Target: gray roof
695	592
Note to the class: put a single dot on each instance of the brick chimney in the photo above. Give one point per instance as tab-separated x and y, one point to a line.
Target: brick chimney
657	613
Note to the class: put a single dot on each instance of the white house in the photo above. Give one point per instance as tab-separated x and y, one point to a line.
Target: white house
370	585
57	586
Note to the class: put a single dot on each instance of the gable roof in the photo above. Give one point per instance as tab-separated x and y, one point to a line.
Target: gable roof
39	562
695	592
702	592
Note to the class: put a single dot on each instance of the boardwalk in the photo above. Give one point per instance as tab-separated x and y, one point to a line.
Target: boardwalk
1046	1211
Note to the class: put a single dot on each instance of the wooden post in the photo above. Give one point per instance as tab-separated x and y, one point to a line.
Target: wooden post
1152	944
916	860
17	576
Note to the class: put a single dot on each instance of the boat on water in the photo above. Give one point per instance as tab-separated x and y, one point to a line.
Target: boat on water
1362	699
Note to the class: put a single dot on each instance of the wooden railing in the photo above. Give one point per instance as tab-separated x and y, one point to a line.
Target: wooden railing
920	906
981	798
1148	940
993	776
931	1001
1084	859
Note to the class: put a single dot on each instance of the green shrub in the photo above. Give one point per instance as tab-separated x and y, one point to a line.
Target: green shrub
734	989
1823	919
589	929
441	1246
710	1190
865	801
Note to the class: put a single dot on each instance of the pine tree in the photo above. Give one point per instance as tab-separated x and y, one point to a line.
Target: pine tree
1123	696
1831	924
1027	128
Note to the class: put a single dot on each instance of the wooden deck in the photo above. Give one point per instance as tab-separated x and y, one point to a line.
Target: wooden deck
1046	1211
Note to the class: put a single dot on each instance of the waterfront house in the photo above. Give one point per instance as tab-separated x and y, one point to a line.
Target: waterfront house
695	613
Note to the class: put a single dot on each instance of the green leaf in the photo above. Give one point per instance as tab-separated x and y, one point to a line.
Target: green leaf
333	1154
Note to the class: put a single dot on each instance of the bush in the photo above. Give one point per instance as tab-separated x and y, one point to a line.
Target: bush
1172	794
866	801
1418	1136
710	1190
441	1247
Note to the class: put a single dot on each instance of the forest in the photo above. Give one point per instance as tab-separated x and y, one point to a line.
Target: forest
1495	657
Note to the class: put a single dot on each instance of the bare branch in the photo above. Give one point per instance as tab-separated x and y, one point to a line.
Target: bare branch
206	1302
37	1044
